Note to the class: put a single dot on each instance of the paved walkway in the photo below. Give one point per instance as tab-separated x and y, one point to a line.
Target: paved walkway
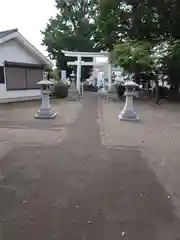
80	190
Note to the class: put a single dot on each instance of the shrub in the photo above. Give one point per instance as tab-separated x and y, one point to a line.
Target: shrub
60	90
90	88
120	91
163	92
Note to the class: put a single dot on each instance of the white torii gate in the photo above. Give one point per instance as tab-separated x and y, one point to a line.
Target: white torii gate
80	63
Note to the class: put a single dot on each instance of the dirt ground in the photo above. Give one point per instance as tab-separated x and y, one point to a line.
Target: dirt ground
18	126
157	136
85	175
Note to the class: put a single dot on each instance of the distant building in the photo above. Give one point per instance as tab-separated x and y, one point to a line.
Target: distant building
21	67
104	68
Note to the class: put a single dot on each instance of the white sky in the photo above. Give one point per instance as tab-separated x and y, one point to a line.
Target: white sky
30	17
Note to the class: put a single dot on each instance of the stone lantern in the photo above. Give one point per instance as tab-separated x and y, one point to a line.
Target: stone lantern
128	113
73	93
112	91
45	111
73	77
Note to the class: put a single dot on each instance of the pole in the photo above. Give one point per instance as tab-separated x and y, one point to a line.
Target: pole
78	77
109	76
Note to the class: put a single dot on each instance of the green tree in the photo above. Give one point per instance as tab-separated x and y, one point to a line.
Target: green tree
151	20
134	57
72	29
108	27
171	66
156	22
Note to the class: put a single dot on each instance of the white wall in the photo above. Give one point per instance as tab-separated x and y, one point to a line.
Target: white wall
104	69
18	95
12	51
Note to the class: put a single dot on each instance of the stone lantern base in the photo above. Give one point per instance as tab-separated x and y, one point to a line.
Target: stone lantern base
45	111
73	93
102	92
128	116
46	114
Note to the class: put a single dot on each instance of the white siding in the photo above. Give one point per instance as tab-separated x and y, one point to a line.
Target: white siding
18	95
12	51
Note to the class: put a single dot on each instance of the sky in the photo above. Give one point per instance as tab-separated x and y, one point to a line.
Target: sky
30	17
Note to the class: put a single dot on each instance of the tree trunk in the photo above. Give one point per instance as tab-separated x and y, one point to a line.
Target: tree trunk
137	77
149	85
174	92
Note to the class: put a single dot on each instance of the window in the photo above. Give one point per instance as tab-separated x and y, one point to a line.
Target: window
22	76
33	75
1	74
15	78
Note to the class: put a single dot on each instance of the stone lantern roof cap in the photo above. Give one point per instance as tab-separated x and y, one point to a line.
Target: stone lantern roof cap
45	82
130	83
73	74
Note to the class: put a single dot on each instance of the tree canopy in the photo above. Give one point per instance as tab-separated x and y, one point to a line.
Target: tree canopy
72	29
126	26
154	22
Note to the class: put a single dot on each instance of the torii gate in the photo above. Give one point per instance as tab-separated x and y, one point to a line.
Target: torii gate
80	63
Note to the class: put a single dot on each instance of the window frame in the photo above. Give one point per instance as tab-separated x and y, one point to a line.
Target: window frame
3	75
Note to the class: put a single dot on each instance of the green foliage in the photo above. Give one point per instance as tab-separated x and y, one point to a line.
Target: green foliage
134	56
72	29
108	4
112	23
171	62
156	22
135	28
54	74
150	20
60	90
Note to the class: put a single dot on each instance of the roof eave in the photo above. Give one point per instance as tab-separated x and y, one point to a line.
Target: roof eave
48	64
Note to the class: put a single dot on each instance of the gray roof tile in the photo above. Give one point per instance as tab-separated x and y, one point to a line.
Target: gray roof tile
7	32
